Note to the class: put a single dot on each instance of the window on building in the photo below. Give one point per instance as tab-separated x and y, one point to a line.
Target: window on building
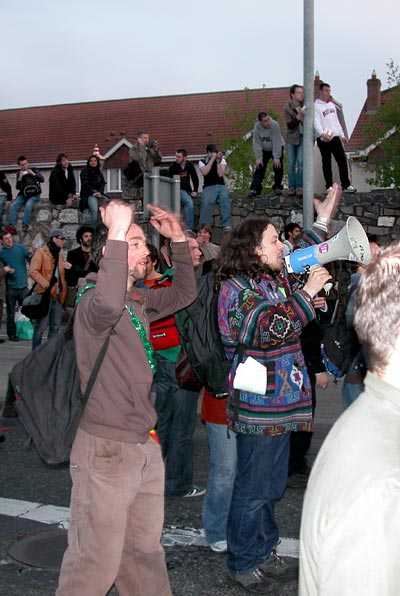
114	180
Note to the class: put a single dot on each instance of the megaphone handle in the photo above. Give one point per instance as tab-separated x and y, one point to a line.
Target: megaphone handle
329	284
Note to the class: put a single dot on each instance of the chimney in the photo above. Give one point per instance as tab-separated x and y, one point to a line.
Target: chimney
317	82
374	93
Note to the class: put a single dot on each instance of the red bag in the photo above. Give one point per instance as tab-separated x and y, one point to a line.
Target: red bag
164	334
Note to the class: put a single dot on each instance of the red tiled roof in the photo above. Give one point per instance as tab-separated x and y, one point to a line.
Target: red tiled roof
360	139
189	121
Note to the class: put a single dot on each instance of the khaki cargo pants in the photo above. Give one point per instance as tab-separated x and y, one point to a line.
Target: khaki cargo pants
117	515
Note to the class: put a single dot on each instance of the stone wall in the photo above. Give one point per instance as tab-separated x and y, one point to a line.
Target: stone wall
378	211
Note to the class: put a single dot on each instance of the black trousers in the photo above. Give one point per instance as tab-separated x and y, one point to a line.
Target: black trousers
14	296
335	148
300	441
259	173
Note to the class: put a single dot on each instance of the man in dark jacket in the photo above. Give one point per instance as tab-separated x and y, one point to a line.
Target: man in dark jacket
117	505
81	262
5	193
28	185
144	155
294	117
188	177
62	184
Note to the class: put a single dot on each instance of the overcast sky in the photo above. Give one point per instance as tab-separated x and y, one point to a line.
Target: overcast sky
80	50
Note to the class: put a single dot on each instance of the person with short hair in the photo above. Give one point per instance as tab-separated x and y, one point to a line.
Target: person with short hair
210	250
92	188
212	167
117	501
144	155
62	183
293	235
28	185
47	269
81	262
353	382
268	144
5	194
189	185
14	258
350	527
330	138
294	117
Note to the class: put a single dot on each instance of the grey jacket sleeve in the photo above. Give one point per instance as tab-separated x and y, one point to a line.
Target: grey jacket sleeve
257	147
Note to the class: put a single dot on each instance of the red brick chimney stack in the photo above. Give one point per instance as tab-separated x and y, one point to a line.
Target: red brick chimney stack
374	93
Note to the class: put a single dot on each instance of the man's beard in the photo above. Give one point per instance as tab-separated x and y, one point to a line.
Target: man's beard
87	243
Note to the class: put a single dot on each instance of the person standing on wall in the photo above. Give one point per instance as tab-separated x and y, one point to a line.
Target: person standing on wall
330	138
92	187
268	144
294	117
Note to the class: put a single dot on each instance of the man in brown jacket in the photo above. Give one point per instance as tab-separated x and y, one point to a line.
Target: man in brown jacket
47	269
117	502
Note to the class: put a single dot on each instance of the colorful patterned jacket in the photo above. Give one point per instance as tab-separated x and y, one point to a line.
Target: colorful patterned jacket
265	319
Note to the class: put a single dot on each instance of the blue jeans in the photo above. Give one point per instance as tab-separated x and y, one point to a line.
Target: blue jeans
94	210
52	321
295	165
3	199
177	415
187	209
221	476
210	196
18	203
261	477
350	392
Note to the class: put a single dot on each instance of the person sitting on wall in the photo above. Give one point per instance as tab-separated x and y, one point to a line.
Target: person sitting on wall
28	185
62	183
92	187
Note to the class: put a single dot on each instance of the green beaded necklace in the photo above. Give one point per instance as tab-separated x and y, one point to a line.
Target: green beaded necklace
136	324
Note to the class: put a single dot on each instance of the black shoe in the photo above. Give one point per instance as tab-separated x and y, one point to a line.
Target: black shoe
2	341
14	338
252	194
278	191
253	582
2	438
276	568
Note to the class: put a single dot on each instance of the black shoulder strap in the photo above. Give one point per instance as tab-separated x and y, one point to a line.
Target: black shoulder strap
95	370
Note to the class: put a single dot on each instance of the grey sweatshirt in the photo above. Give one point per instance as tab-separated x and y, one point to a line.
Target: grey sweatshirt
267	139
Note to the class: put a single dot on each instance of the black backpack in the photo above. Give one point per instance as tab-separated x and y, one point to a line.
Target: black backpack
201	340
30	187
48	394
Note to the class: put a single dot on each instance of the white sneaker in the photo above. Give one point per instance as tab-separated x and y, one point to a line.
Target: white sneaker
195	491
219	547
350	189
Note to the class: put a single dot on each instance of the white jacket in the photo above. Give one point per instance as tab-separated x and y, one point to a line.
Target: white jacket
326	119
350	527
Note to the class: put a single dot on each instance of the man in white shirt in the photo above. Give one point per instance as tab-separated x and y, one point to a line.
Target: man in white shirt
330	138
349	539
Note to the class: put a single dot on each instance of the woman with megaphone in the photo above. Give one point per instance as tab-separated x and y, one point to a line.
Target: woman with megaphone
262	311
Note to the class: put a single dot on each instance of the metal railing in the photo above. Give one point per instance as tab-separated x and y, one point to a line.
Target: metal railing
163	191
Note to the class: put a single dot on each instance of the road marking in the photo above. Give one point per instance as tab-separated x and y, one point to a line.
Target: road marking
172	535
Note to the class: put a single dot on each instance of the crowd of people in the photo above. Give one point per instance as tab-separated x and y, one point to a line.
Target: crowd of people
135	440
268	144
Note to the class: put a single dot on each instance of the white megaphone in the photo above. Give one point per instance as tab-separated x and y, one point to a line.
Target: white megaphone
350	244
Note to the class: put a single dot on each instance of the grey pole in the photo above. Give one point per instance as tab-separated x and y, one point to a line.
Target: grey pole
308	131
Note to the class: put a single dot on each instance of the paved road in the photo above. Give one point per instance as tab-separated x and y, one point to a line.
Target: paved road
194	570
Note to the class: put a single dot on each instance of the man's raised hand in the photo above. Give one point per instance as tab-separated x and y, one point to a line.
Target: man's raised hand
117	217
167	224
327	208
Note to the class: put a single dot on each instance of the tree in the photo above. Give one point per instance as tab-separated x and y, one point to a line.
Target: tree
385	128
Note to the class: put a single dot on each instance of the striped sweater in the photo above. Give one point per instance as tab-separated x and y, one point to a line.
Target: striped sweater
266	318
